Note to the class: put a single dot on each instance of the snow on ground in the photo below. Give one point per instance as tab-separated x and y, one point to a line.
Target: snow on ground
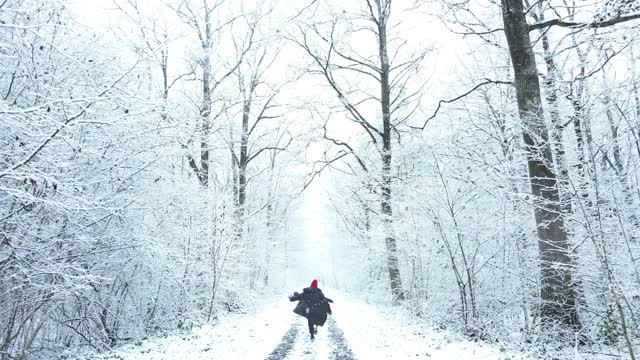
305	348
374	334
236	336
357	331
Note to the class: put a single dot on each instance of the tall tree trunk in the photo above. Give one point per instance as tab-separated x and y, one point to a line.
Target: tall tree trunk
557	293
634	82
241	199
556	122
617	165
244	158
205	110
387	211
164	65
271	245
576	119
580	127
205	128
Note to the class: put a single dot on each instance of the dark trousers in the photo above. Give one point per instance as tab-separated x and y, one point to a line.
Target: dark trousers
310	322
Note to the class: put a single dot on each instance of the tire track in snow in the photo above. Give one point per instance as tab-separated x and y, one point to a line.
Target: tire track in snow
286	344
340	349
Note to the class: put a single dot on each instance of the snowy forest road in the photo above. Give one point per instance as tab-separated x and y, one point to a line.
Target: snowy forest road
356	330
341	350
336	348
285	346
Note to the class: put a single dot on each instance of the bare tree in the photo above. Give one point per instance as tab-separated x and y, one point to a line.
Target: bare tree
396	99
558	294
258	103
262	132
199	15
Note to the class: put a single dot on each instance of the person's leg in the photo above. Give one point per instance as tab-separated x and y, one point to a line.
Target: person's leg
310	327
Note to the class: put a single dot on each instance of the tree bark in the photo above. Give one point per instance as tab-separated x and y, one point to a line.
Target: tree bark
387	210
205	110
557	293
556	122
580	123
240	167
205	126
244	156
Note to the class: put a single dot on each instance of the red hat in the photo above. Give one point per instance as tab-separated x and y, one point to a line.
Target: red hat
314	284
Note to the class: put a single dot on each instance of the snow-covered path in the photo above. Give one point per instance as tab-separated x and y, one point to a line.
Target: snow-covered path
328	344
356	331
374	333
237	336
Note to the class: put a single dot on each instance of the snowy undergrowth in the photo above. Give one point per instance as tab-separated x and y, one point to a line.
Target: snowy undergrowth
235	336
361	331
376	331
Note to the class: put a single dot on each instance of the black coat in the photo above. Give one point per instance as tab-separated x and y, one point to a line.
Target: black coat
312	305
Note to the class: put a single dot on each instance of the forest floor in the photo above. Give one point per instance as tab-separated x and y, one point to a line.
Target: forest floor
355	331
